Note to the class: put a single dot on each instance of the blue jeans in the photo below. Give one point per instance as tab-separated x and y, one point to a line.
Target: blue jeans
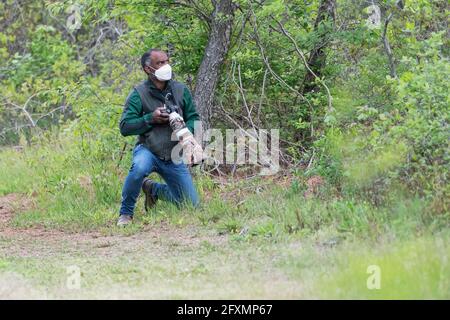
178	189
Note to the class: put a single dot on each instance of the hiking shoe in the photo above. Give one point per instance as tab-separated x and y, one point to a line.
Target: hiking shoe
147	187
124	220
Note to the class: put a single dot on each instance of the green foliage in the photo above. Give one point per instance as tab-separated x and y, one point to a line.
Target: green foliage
410	270
396	136
380	153
383	138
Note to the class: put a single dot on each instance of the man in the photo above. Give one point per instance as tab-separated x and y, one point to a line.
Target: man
144	115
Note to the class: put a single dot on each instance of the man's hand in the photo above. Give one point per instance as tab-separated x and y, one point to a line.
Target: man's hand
160	115
192	150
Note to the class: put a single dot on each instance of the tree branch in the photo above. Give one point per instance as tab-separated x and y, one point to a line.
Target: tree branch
387	48
300	53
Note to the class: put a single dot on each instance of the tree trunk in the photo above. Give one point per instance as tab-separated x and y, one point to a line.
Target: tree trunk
317	56
215	52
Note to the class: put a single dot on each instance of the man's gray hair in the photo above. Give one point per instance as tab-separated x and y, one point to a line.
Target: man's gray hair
146	59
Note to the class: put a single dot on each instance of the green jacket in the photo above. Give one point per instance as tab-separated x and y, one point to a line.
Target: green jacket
133	122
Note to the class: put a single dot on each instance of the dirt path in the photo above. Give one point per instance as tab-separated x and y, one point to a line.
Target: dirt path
42	242
157	261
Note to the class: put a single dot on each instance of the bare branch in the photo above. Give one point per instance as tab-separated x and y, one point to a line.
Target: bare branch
268	66
24	108
241	90
387	47
262	94
300	53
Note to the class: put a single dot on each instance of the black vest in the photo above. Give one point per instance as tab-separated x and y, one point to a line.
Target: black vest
160	138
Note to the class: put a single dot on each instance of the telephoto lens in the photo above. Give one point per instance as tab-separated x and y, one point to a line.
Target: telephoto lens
192	150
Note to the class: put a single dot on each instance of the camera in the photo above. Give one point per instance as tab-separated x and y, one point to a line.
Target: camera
170	105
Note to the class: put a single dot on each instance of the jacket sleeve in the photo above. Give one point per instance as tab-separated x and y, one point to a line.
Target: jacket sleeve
133	122
190	114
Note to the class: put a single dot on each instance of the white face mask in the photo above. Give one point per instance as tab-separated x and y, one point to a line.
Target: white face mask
164	73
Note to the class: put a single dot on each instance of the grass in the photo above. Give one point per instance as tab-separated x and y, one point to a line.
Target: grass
259	268
278	244
415	269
